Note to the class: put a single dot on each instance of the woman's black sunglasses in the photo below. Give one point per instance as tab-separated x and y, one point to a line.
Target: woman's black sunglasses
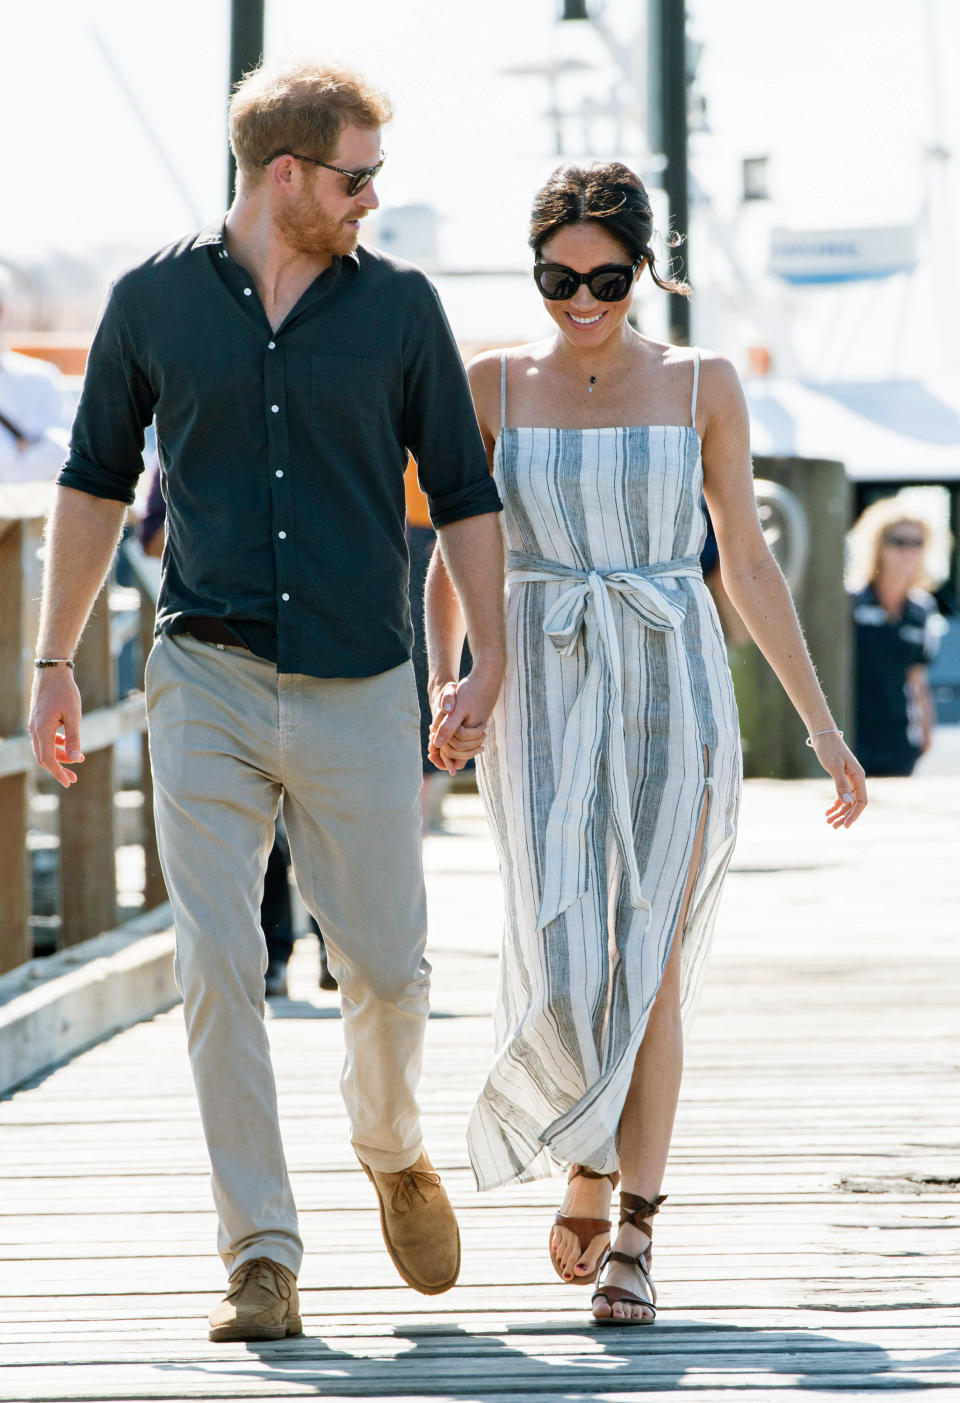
358	180
609	283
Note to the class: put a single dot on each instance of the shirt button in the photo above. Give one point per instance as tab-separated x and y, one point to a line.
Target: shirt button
271	345
279	472
274	409
282	535
284	596
248	292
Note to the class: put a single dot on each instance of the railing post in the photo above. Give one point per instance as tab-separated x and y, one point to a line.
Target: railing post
15	943
773	736
88	861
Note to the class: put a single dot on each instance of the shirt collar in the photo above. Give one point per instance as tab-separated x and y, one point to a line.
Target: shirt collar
212	237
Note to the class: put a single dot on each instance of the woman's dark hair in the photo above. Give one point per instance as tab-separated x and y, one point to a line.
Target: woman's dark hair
605	193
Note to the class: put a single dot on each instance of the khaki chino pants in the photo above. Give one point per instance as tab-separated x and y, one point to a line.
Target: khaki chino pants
230	736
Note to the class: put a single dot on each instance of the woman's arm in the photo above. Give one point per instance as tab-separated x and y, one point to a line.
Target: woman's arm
752	579
445	629
445	625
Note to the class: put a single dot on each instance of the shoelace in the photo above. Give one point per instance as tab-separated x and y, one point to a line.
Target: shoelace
263	1271
413	1181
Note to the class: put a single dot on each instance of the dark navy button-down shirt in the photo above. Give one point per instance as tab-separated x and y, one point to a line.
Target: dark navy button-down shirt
282	453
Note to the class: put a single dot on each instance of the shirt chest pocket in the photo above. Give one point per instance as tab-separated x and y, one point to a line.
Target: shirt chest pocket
347	395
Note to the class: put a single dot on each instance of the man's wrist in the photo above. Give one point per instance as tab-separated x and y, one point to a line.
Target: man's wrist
44	661
489	663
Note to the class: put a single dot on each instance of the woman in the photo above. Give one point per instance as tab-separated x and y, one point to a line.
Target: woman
611	764
896	636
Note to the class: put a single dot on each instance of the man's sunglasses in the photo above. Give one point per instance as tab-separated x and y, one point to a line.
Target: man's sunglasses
358	180
609	283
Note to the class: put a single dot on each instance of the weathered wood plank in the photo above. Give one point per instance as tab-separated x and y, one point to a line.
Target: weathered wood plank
252	1377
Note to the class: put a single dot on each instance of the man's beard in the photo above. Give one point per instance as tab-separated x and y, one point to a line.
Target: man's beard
307	227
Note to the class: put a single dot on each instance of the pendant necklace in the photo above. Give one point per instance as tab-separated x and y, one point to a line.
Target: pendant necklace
591	386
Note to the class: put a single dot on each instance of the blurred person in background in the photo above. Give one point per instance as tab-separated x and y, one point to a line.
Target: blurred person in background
897	631
32	438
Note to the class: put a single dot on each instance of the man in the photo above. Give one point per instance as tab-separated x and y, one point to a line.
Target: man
290	373
31	413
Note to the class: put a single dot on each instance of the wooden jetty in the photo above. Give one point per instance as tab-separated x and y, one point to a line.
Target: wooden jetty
809	1245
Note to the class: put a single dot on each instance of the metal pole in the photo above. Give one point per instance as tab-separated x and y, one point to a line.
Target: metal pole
672	62
246	52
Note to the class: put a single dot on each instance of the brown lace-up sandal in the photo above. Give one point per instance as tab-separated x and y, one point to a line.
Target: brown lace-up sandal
635	1210
585	1229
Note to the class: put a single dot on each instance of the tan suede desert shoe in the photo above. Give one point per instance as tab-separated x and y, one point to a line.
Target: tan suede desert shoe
418	1225
261	1304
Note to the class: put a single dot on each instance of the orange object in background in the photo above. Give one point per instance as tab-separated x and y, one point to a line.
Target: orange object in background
759	360
68	353
417	511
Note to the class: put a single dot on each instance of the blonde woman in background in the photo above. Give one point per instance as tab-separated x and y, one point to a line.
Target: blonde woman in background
897	629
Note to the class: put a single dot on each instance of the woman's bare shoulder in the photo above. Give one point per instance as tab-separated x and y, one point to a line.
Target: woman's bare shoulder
720	386
484	368
711	362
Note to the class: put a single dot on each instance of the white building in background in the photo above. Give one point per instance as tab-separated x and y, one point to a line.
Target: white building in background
410	232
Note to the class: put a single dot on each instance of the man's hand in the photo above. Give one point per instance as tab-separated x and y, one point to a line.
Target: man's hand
461	711
463	746
56	706
82	535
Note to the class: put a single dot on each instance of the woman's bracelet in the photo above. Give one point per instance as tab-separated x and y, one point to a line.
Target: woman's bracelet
833	731
52	662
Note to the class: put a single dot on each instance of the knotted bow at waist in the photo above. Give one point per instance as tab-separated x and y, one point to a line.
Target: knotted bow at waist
595	723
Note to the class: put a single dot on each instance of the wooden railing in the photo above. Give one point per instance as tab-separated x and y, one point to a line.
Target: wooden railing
88	886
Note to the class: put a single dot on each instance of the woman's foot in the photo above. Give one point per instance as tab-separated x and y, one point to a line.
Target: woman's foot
618	1276
586	1206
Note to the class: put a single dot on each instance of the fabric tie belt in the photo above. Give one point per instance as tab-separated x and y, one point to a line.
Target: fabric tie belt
595	724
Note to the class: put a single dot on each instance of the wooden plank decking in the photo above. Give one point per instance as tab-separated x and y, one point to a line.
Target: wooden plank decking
811	1238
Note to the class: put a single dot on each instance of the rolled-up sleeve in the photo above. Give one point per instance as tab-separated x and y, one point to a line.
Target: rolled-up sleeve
105	456
440	424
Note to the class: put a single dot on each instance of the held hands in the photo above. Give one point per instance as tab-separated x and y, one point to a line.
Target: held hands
467	741
55	707
460	713
845	770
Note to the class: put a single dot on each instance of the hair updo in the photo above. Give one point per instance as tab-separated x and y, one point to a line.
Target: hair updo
605	193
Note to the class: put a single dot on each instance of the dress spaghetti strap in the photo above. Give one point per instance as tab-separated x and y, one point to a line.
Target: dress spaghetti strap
696	382
503	389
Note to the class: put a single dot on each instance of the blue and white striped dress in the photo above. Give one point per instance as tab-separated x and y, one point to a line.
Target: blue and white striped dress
616	723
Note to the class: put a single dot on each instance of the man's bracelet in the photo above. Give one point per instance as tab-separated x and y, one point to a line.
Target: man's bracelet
52	662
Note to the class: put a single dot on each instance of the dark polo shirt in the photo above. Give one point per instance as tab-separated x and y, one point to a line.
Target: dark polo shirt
282	453
888	733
